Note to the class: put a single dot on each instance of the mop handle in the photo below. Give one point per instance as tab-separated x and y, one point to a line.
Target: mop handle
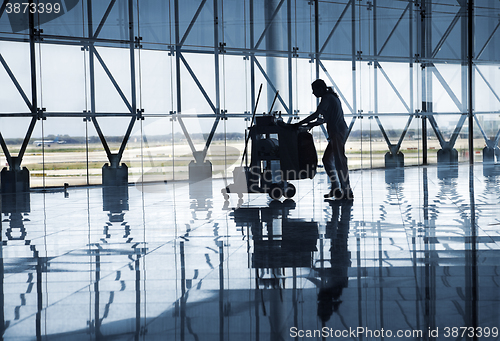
251	124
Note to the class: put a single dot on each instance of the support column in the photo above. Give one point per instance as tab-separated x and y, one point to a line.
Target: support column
17	179
470	56
275	67
423	48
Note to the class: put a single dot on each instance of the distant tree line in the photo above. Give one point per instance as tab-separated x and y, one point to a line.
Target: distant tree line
231	136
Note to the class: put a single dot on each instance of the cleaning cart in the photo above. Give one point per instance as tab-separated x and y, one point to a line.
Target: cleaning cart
280	152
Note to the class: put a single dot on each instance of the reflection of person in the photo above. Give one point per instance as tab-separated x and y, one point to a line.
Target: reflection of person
334	157
335	278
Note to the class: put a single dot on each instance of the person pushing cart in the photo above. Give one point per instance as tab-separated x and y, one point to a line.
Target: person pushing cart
334	158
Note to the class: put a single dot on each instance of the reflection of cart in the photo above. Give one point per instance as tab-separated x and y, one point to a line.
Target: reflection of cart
280	153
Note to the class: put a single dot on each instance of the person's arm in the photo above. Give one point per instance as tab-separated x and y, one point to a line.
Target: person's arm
315	115
308	119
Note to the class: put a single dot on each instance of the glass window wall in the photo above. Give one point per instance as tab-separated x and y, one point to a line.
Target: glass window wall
180	78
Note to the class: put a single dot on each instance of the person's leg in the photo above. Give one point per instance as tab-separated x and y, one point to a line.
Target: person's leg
338	150
329	164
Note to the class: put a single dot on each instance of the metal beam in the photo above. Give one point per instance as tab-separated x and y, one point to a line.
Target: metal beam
16	83
335	27
452	50
34	101
101	137
316	48
200	87
186	134
27	139
104	18
403	134
377	64
91	58
112	79
410	57
5	150
424	39
210	137
34	98
447	88
459	126
125	139
353	57
488	41
216	58
290	48
486	139
2	9
351	125
232	51
384	134
269	24
497	138
131	24
375	69
487	83
252	64
270	84
394	29
133	109
191	24
470	90
78	114
446	35
454	136
178	75
336	86
217	81
438	133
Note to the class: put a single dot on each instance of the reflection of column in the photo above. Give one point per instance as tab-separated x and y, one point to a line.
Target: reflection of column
39	296
429	293
2	302
274	42
471	304
221	290
200	194
97	317
137	298
380	273
183	290
17	207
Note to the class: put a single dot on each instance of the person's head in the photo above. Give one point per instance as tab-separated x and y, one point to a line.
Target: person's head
319	88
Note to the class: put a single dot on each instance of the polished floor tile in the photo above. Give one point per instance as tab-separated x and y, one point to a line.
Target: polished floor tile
416	255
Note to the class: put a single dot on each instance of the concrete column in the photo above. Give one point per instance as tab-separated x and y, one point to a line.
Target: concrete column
276	68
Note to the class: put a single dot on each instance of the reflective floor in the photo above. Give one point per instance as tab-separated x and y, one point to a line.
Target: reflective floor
416	257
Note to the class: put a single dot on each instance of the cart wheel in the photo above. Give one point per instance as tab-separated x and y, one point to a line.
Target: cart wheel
289	191
276	191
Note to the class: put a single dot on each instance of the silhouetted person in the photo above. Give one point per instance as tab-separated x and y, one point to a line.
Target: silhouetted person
336	278
334	157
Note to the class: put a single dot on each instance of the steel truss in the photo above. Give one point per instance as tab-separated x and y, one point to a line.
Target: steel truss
421	53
